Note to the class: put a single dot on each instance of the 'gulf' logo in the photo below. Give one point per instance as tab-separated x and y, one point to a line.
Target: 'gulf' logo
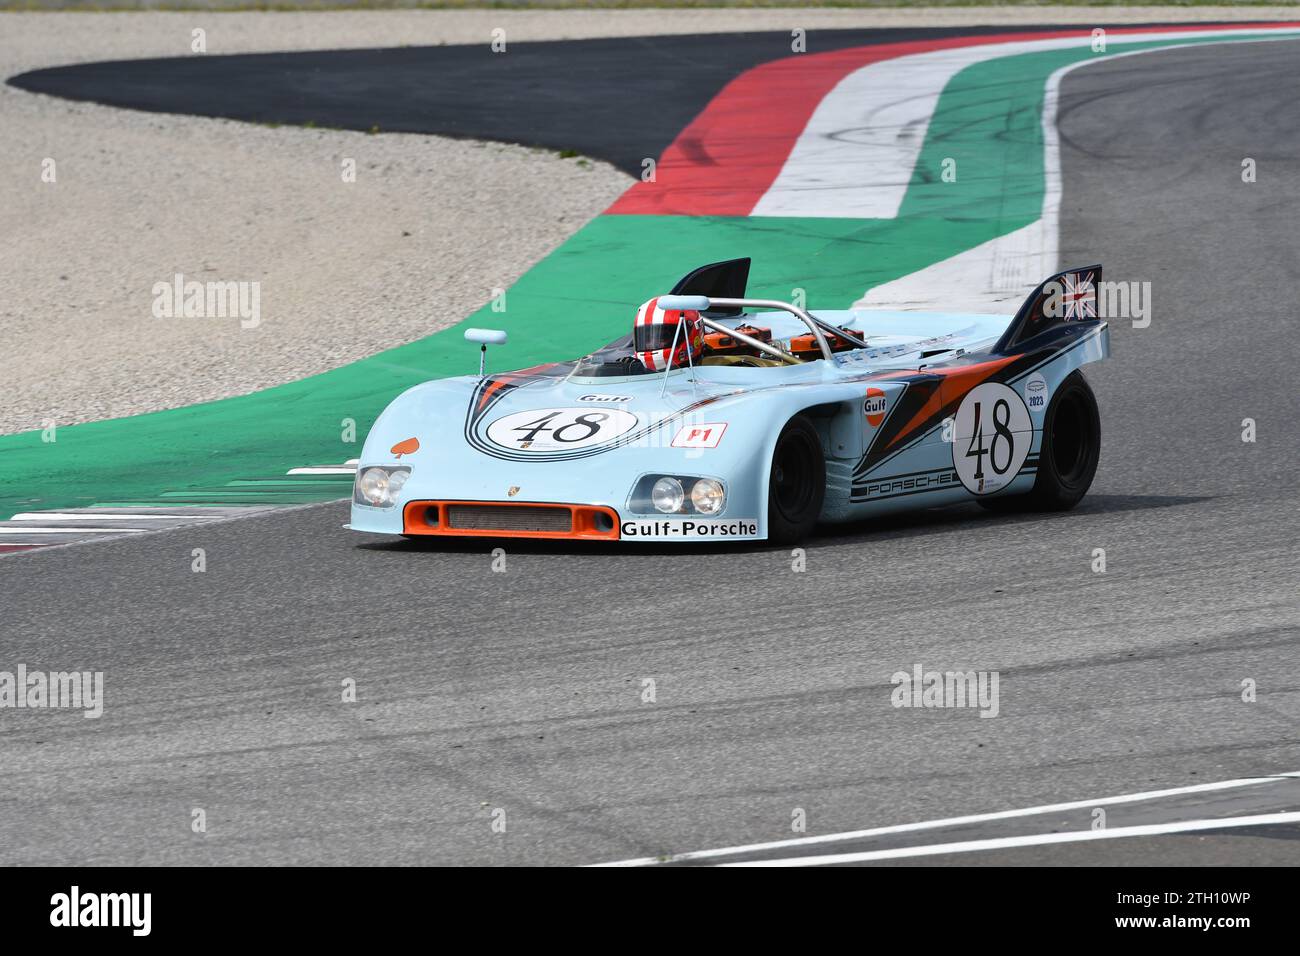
874	407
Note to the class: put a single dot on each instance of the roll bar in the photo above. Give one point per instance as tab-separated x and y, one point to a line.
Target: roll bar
702	303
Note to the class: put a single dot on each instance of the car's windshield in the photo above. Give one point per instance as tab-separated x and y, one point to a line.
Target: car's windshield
616	358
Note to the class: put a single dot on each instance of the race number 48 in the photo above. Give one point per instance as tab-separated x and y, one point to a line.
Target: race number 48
553	429
991	438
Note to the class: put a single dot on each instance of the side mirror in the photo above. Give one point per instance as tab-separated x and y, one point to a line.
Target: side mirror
672	303
485	337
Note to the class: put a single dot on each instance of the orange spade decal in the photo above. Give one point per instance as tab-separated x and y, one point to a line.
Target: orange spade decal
408	447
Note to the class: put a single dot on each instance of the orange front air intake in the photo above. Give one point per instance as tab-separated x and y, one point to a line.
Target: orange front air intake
510	519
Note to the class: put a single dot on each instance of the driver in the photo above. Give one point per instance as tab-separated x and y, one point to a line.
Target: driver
654	331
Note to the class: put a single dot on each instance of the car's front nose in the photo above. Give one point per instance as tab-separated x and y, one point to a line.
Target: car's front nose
462	482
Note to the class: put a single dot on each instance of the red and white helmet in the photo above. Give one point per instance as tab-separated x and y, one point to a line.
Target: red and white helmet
654	332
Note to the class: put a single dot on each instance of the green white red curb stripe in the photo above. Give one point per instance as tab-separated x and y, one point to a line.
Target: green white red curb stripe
837	135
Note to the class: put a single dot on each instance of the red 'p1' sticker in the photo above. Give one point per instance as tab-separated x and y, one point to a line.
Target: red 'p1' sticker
700	436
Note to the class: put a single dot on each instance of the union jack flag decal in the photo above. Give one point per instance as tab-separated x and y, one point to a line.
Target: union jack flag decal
1078	296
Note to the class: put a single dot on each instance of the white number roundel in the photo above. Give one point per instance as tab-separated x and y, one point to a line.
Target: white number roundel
560	429
991	437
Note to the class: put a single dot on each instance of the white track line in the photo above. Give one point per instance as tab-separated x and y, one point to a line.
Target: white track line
6	532
323	470
959	821
1039	839
90	516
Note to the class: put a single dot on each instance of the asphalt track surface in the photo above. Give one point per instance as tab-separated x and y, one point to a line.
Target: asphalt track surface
522	690
619	99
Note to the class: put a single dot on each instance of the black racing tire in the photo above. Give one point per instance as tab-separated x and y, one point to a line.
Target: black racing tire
1071	448
797	483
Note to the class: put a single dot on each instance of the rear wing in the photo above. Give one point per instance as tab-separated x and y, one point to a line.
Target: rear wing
1064	298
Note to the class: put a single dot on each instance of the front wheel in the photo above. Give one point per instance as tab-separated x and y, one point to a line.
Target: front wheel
1067	460
797	484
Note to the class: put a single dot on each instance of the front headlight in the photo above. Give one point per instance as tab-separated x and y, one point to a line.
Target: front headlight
667	495
677	495
708	496
378	485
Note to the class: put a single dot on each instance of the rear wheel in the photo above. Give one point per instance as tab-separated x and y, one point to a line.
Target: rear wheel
1067	460
797	484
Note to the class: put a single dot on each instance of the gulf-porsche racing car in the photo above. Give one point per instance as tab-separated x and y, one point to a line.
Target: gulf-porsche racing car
720	417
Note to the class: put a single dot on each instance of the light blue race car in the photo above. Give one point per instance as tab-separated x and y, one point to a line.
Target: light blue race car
722	418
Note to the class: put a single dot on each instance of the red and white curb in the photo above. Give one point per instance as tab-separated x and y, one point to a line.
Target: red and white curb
29	530
840	136
35	529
